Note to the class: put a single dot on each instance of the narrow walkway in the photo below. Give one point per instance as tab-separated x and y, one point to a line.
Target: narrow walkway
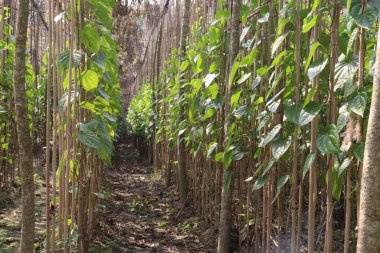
10	213
140	213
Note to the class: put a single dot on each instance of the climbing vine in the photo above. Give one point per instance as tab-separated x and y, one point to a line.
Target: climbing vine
288	116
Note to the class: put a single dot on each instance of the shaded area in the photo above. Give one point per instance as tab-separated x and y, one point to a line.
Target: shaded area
10	216
140	214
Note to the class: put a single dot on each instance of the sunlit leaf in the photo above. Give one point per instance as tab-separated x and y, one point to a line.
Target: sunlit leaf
256	82
90	80
270	136
211	148
244	78
235	98
260	183
307	27
316	68
367	18
280	147
343	167
240	111
277	43
209	79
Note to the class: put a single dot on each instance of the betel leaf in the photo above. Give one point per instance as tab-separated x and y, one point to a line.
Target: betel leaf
235	99
105	149
211	91
343	118
99	60
223	14
270	136
244	33
277	43
211	148
316	68
209	78
310	95
367	18
64	59
88	137
209	113
300	115
313	48
260	183
256	82
306	27
280	147
358	103
272	107
264	18
345	70
264	120
87	105
315	6
103	11
328	140
309	161
292	112
309	112
219	157
342	168
244	78
90	80
280	185
91	38
182	131
337	183
282	24
244	12
359	151
249	58
238	113
234	69
238	154
269	166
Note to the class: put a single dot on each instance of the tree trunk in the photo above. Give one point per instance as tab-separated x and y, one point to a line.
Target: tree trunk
294	190
181	142
334	39
23	131
369	217
225	223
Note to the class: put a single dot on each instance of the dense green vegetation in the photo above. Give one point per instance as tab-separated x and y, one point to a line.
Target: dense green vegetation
289	116
258	113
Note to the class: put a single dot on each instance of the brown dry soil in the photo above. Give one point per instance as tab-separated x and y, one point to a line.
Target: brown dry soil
139	213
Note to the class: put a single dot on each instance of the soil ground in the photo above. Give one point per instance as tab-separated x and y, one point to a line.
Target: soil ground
140	213
10	211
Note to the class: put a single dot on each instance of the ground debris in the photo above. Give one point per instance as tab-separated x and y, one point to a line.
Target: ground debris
140	212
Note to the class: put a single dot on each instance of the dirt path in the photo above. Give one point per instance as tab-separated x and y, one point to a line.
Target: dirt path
140	213
10	212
